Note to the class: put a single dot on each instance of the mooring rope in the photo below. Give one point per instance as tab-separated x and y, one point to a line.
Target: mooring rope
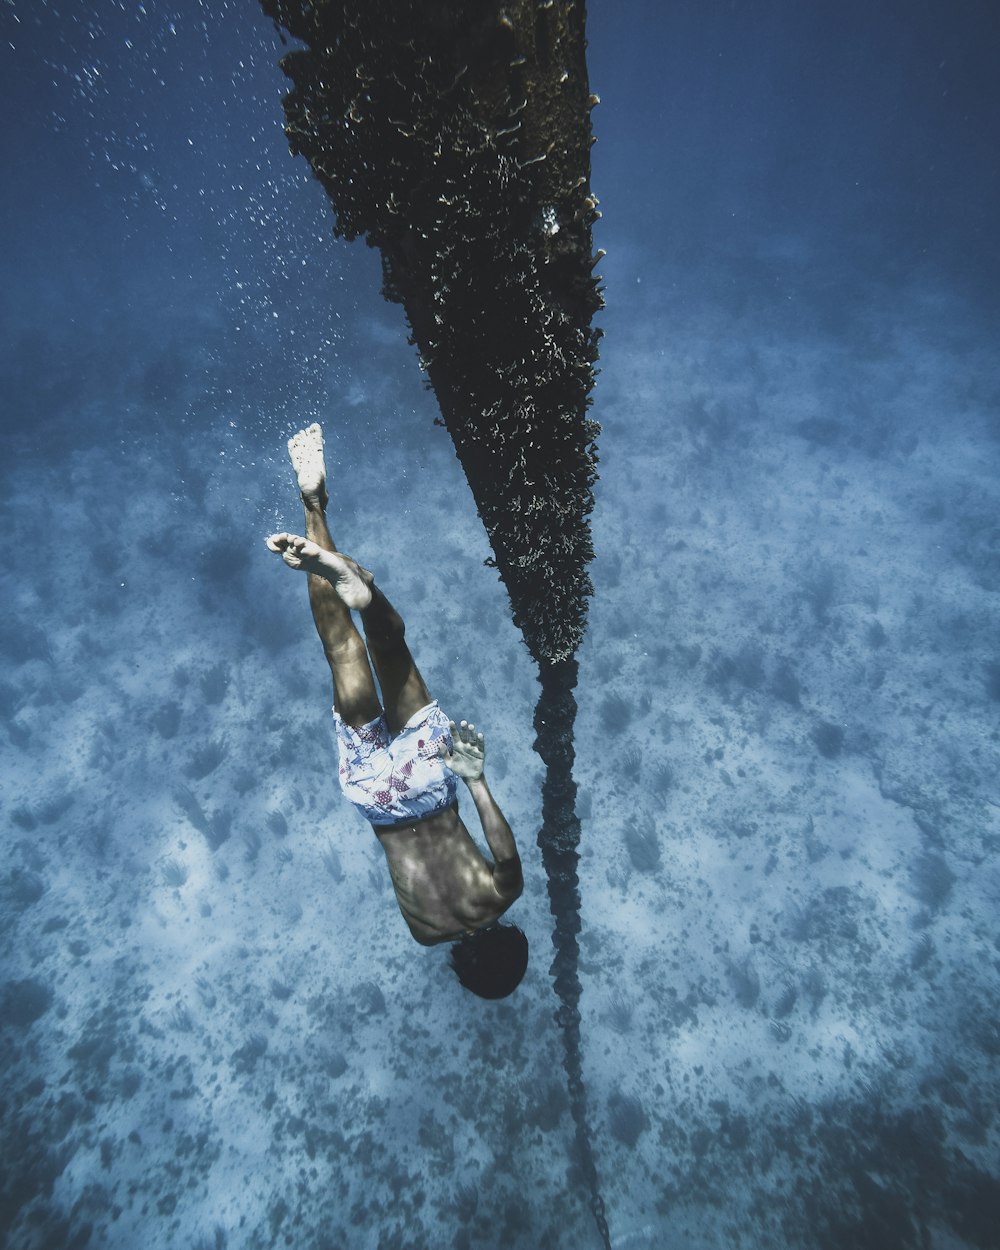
558	839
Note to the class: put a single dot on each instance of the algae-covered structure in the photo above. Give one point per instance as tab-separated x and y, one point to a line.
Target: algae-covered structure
454	136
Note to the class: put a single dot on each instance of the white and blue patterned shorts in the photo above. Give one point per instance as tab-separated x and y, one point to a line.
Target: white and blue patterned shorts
399	780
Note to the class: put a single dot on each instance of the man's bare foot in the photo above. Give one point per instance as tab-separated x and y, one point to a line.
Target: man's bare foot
351	582
306	451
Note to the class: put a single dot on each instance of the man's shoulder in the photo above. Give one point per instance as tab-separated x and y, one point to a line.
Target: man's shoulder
508	878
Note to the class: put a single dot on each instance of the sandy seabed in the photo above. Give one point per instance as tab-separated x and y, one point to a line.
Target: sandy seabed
216	1029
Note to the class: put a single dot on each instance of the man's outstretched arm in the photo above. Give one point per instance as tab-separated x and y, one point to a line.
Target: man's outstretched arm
507	877
466	761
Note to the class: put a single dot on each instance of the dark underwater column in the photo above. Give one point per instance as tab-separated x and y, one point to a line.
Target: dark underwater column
454	136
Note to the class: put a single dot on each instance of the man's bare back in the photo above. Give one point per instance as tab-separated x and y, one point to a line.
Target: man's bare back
444	884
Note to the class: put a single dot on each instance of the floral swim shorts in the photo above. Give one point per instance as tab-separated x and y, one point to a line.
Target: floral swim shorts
399	780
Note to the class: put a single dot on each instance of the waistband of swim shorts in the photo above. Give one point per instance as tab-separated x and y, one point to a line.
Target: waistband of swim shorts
412	820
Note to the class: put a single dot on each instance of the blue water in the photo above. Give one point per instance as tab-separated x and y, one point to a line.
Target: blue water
215	1030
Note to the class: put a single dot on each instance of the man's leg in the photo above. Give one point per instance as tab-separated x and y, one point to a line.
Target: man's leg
354	693
403	689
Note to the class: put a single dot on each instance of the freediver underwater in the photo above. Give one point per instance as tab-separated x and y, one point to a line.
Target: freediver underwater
400	758
215	1029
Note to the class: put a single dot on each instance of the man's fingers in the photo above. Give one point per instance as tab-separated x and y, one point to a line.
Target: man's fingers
464	732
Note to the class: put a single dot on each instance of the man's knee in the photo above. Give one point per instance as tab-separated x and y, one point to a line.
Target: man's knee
345	652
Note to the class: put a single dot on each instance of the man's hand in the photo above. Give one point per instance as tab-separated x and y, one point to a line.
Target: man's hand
469	754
